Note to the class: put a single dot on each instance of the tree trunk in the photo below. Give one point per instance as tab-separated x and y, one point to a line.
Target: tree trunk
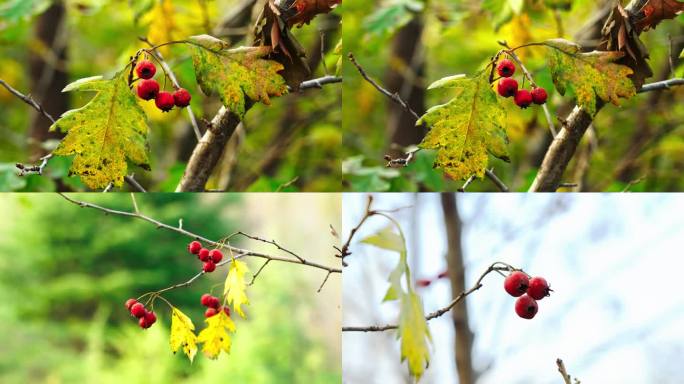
464	336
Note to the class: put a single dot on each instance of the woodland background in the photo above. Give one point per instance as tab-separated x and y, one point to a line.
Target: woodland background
293	145
65	273
614	317
407	44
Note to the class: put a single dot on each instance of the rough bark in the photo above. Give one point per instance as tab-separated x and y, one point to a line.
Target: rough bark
464	336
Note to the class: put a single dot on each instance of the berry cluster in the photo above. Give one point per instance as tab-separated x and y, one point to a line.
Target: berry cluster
213	305
148	89
145	318
209	258
528	291
508	87
423	283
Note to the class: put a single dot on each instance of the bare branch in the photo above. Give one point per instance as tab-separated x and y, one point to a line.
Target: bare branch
661	85
566	377
499	184
344	251
272	242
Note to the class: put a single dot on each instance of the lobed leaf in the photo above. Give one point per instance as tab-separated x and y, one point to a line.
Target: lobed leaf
414	334
182	334
235	287
215	337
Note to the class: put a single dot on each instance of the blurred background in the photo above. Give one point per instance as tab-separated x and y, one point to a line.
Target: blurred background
47	44
406	45
614	263
65	273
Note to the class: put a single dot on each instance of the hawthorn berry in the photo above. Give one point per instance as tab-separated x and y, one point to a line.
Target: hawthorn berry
181	98
523	98
164	101
210	312
423	283
130	303
194	247
138	310
209	266
216	255
145	69
516	283
206	300
226	310
148	89
505	68
526	307
507	87
539	96
539	288
144	324
203	254
150	318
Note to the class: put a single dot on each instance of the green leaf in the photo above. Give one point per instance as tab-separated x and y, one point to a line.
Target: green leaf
391	16
182	334
414	334
104	133
237	74
16	10
468	128
589	75
387	239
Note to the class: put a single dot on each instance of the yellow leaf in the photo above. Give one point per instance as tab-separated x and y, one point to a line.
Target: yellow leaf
182	334
215	337
414	334
235	286
163	27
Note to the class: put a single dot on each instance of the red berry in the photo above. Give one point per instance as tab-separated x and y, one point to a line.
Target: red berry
423	283
216	255
138	310
194	247
209	266
181	98
539	96
143	323
210	312
539	288
206	299
443	275
526	307
506	68
145	69
150	318
148	89
164	101
203	254
516	283
507	87
214	303
523	98
130	303
226	310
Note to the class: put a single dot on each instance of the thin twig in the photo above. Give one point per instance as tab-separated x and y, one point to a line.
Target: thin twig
497	266
344	251
272	242
499	184
318	82
159	224
323	283
661	85
561	368
134	183
259	271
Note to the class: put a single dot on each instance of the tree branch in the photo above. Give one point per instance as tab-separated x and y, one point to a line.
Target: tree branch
566	377
179	229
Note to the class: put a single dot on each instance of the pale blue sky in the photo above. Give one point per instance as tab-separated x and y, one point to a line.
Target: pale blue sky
614	260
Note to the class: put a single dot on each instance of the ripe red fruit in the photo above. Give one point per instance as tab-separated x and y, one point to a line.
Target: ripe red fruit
505	68
150	318
507	87
226	310
148	89
145	69
181	98
130	303
539	288
143	323
216	255
164	101
214	303
539	96
210	312
138	310
203	254
423	282
526	307
209	266
516	283
194	247
523	98
206	300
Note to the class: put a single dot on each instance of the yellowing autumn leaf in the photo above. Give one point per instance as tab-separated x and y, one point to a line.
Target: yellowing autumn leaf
386	238
588	75
467	129
235	287
182	334
104	133
236	75
414	334
215	337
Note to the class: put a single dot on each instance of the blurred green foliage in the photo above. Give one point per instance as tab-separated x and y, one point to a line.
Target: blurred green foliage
461	37
65	273
103	34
